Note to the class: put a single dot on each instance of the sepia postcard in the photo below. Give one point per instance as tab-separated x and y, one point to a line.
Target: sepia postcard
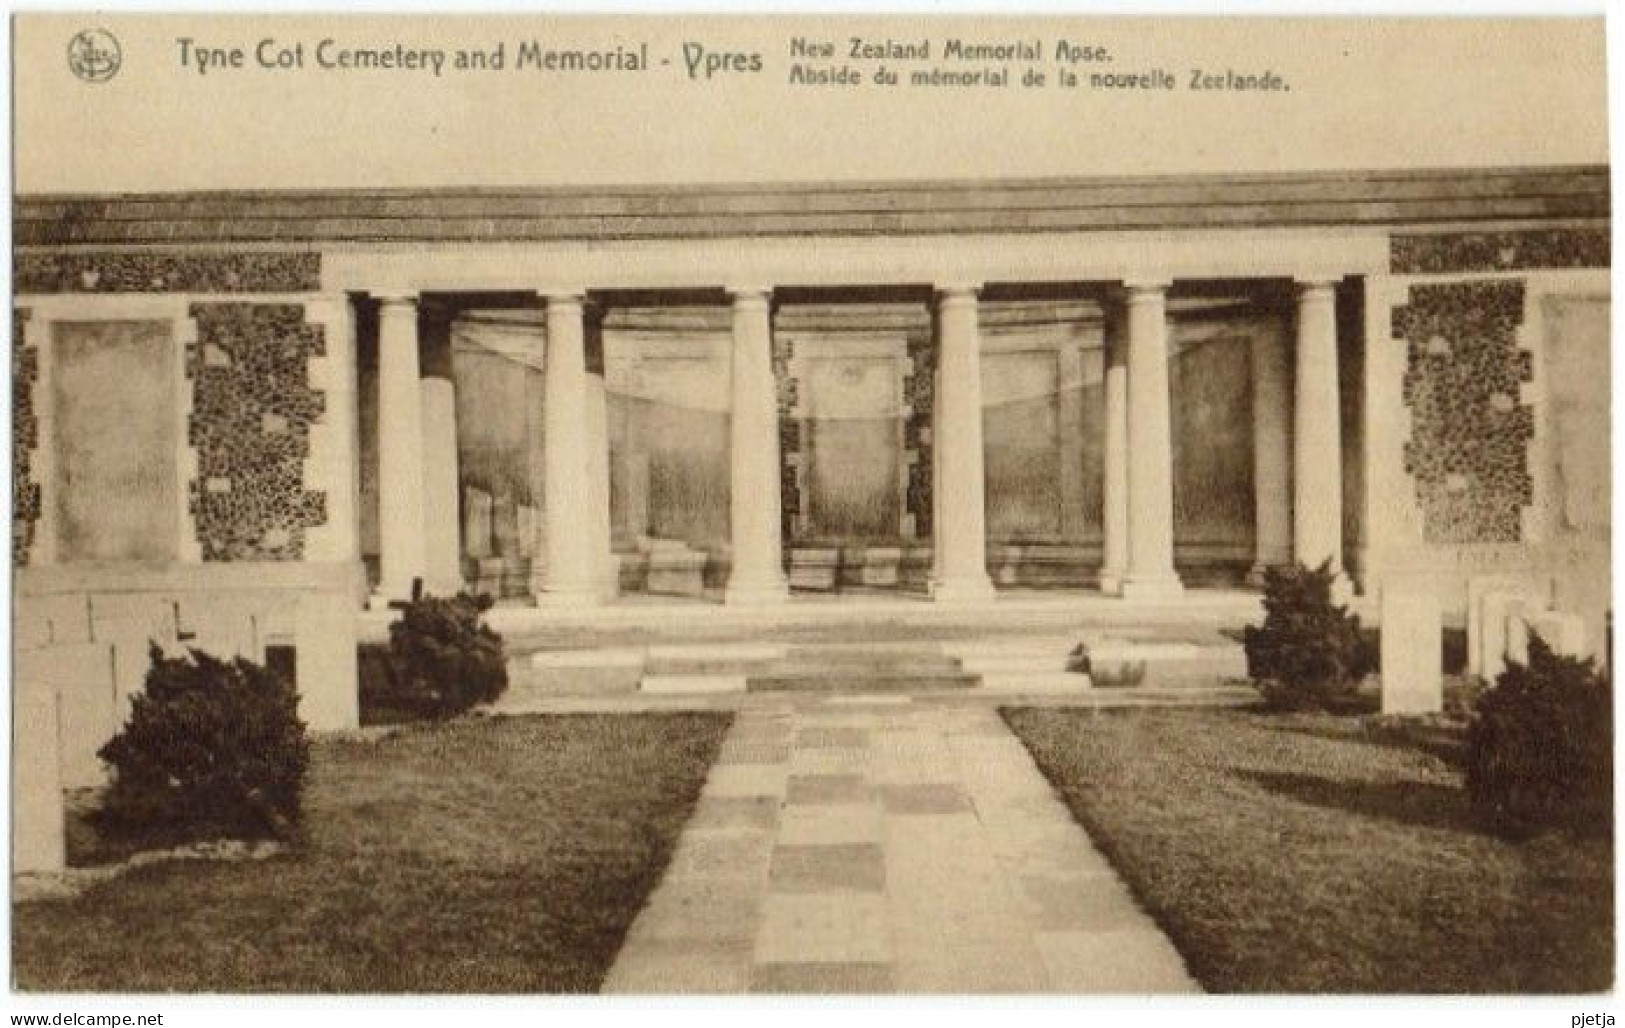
809	505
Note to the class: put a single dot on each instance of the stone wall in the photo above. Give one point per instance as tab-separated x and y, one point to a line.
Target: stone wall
25	491
1472	347
252	412
1468	451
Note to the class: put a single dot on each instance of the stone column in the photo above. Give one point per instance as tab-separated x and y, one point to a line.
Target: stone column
958	494
1114	491
757	572
1272	453
442	534
400	448
1150	569
1317	447
572	570
607	571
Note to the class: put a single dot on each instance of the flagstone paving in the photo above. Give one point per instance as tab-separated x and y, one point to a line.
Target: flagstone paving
908	848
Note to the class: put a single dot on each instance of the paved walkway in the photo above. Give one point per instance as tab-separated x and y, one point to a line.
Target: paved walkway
853	845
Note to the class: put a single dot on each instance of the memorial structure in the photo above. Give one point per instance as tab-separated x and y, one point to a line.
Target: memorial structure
298	406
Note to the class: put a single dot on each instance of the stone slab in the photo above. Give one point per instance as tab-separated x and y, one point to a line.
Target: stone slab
826	788
1120	962
1412	661
824	927
822	978
830	867
690	685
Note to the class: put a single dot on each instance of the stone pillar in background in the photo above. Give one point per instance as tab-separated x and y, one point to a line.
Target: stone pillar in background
959	517
535	458
400	449
443	572
757	572
572	568
1114	487
1317	468
1272	453
606	569
1150	571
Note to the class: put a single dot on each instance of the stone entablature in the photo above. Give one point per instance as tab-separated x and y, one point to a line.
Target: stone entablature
1161	203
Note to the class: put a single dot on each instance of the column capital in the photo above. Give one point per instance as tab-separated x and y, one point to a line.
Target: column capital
563	295
394	299
1144	288
1310	284
958	289
747	292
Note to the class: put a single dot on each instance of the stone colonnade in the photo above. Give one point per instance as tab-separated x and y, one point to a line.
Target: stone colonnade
1297	467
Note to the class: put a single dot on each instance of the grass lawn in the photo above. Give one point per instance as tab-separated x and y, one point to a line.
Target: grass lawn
504	855
1303	853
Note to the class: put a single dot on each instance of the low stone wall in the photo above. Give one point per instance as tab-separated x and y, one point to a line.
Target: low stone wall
83	635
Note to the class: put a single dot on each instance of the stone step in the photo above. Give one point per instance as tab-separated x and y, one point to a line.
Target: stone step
1025	682
691	685
835	681
711	658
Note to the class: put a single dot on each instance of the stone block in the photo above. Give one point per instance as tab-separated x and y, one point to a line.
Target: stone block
1501	617
477	506
1489	634
81	676
1412	662
814	569
67	614
880	565
675	570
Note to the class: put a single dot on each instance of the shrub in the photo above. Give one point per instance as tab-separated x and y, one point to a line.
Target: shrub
444	658
1540	749
1308	652
211	749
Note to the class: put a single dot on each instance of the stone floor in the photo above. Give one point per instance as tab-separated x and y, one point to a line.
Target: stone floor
879	844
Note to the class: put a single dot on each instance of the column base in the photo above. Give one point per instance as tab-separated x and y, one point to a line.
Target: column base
1158	587
767	593
963	590
1111	583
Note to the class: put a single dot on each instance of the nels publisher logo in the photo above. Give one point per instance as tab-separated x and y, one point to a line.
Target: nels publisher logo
94	55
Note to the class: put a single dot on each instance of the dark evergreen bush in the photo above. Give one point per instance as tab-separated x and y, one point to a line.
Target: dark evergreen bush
1540	748
212	749
1308	652
444	658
